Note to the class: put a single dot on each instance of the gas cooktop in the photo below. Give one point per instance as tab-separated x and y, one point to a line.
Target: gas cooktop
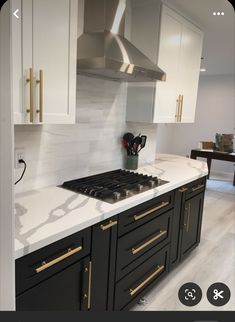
113	186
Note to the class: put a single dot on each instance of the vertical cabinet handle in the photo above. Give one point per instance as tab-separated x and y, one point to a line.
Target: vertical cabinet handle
87	295
177	108
40	83
31	95
181	107
187	223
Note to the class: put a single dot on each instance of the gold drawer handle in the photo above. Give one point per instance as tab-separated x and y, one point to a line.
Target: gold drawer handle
198	187
148	212
135	290
150	241
58	259
183	189
109	225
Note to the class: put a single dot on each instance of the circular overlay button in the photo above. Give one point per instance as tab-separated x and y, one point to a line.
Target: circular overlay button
218	294
190	294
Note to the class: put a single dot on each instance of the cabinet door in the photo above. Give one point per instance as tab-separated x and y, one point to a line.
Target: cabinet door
104	241
192	218
54	52
190	60
168	60
63	291
21	37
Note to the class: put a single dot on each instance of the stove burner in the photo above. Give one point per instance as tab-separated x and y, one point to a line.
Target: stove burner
113	186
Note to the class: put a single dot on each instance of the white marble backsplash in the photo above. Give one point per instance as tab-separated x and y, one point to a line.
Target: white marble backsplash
55	153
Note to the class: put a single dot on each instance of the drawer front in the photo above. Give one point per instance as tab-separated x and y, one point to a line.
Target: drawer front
134	247
43	263
141	214
131	287
195	187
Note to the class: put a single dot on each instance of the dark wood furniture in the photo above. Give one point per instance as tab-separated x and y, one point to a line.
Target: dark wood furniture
213	155
112	264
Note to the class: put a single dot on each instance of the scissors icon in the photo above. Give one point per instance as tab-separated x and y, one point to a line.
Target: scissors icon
217	294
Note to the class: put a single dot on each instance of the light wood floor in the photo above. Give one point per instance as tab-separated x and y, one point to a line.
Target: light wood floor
212	261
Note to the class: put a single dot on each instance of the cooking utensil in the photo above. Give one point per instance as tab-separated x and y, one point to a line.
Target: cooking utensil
127	139
143	142
136	142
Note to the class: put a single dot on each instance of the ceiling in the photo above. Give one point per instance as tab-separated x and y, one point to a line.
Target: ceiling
219	32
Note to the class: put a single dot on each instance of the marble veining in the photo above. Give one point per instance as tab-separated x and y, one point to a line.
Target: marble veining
49	214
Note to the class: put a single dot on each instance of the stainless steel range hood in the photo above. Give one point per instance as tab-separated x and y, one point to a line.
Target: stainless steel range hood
103	51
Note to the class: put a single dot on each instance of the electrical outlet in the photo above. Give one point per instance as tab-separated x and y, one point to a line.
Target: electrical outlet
19	154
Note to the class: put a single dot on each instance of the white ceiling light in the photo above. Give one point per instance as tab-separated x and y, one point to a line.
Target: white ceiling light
202	70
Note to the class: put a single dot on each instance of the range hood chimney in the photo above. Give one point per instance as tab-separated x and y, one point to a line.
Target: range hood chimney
104	52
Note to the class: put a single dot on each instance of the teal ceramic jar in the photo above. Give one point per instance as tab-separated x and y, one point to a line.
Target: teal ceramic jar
132	162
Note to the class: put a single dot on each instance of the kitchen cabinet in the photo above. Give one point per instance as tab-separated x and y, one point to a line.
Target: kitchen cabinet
62	291
187	220
56	277
112	264
176	48
44	48
103	257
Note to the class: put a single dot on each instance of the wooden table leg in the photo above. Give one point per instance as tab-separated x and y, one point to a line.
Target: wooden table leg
234	178
209	167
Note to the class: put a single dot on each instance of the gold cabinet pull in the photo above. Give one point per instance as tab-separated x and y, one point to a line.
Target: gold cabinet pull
159	269
89	287
183	189
31	95
109	225
40	109
198	187
45	265
186	224
148	212
181	107
188	218
177	108
150	241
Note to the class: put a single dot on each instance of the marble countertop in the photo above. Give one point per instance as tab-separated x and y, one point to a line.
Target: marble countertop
49	214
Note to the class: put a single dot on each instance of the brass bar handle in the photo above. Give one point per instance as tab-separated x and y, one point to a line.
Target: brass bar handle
31	95
181	107
183	189
45	265
177	108
109	225
89	287
198	187
148	212
150	241
159	269
188	219
40	82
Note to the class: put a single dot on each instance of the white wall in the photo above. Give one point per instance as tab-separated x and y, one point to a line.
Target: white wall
7	283
215	112
55	153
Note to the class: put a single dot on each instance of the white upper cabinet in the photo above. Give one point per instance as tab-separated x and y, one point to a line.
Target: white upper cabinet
177	47
44	43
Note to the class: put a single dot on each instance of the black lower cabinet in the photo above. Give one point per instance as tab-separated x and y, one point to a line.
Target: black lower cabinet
112	264
66	290
104	240
187	220
192	219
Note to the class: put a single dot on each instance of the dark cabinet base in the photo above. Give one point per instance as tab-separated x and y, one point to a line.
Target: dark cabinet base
63	291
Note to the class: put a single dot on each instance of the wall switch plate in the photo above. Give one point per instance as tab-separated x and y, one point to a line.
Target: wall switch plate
19	154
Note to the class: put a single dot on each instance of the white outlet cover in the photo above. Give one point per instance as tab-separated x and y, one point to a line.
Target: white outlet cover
19	154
